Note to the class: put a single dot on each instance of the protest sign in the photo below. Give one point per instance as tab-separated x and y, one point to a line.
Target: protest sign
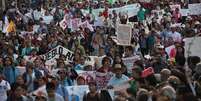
194	9
192	46
102	79
124	33
63	24
173	7
90	60
77	91
88	75
86	24
48	19
55	52
129	62
74	25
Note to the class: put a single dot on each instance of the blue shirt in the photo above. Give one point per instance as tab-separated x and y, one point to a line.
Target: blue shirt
114	81
10	73
61	90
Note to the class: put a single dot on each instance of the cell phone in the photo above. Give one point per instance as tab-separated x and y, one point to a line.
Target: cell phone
147	72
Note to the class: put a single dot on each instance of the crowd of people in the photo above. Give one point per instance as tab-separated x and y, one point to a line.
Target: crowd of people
155	75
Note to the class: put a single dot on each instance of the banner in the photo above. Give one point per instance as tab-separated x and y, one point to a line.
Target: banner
194	9
129	62
193	46
131	10
124	33
50	56
53	54
77	92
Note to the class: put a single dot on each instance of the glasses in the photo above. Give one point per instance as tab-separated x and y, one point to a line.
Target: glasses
61	72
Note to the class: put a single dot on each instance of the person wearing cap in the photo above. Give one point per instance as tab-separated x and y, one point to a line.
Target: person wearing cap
165	73
119	78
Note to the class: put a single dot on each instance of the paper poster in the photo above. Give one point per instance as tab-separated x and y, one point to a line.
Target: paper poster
102	79
88	75
86	24
63	24
124	33
193	46
90	60
173	7
75	24
129	62
194	9
77	91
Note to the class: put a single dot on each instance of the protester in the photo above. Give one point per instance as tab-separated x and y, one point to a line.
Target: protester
100	50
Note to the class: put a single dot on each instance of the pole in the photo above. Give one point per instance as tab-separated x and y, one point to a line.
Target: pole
3	4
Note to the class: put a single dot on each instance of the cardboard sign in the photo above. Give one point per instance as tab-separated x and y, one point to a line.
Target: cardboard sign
124	34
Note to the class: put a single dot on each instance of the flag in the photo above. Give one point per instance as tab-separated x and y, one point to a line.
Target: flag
11	27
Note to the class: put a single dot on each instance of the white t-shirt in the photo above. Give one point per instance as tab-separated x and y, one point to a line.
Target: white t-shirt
4	87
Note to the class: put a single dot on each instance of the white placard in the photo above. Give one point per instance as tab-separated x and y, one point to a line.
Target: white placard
124	33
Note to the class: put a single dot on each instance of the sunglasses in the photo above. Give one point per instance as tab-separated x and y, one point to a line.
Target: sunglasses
61	72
